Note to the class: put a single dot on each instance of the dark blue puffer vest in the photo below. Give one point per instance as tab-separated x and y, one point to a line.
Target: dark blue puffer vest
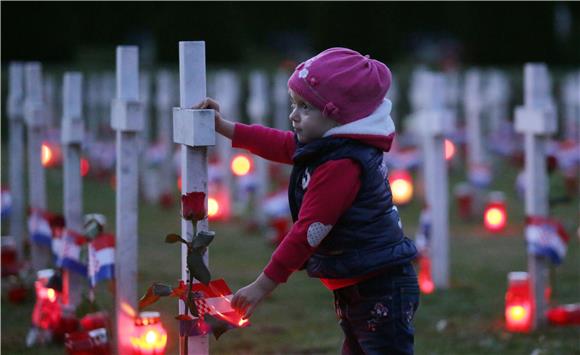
367	238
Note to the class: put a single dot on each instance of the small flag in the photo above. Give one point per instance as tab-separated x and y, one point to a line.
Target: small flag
39	228
423	236
216	301
101	264
546	237
276	205
71	252
5	203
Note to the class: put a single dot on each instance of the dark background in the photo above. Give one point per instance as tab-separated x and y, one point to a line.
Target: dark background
480	33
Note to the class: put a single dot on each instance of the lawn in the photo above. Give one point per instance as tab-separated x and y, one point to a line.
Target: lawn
299	317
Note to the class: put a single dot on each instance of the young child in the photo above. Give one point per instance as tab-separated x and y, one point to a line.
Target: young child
346	230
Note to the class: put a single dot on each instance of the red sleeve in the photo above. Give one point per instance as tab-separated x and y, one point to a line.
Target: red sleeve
269	143
331	191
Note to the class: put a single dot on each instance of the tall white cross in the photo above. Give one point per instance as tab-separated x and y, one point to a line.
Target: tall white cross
164	98
36	125
72	136
195	131
436	121
536	119
258	109
127	121
15	111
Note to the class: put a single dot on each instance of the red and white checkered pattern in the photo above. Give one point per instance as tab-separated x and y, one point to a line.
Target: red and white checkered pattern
202	307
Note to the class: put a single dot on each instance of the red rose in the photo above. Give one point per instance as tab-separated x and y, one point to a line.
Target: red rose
193	206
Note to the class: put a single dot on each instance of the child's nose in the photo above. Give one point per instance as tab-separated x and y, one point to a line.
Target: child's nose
293	116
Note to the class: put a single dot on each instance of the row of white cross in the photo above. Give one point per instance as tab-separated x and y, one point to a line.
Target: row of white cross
194	130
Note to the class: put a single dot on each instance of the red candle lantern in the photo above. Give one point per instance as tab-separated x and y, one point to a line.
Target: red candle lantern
149	336
241	165
464	199
401	186
518	303
426	284
495	215
10	264
218	204
568	314
46	313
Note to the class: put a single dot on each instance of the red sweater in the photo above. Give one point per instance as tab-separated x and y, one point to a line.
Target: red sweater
331	191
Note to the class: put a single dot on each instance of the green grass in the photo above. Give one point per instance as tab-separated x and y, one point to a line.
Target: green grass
299	318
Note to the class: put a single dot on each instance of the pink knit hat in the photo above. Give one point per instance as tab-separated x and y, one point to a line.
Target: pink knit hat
342	83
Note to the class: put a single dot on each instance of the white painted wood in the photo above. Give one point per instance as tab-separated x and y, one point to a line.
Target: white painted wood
36	125
227	91
258	109
281	100
571	102
192	90
50	97
92	105
497	96
127	173
15	111
436	121
473	106
536	119
195	128
72	137
165	94
393	95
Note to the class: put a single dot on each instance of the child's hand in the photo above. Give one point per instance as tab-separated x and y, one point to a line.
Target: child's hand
210	104
247	298
222	126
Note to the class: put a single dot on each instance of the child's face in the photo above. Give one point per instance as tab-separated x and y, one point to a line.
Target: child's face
308	121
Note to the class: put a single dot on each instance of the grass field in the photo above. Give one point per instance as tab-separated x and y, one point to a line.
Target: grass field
299	318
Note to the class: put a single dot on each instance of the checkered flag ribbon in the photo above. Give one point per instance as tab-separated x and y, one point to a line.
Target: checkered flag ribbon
202	307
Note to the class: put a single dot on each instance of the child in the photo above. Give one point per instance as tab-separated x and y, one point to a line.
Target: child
346	230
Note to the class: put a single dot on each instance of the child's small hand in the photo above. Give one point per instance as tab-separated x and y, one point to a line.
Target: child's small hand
247	298
211	104
222	126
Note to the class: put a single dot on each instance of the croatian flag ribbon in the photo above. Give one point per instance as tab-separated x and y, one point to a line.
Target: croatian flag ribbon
423	236
71	253
5	202
216	301
546	237
101	259
39	228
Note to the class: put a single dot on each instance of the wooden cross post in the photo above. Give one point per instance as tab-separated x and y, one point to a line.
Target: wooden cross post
497	95
15	113
436	121
36	124
227	91
127	120
281	100
257	109
195	131
536	119
165	92
72	135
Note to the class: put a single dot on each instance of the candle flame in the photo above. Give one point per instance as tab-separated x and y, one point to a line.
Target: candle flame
46	155
213	207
